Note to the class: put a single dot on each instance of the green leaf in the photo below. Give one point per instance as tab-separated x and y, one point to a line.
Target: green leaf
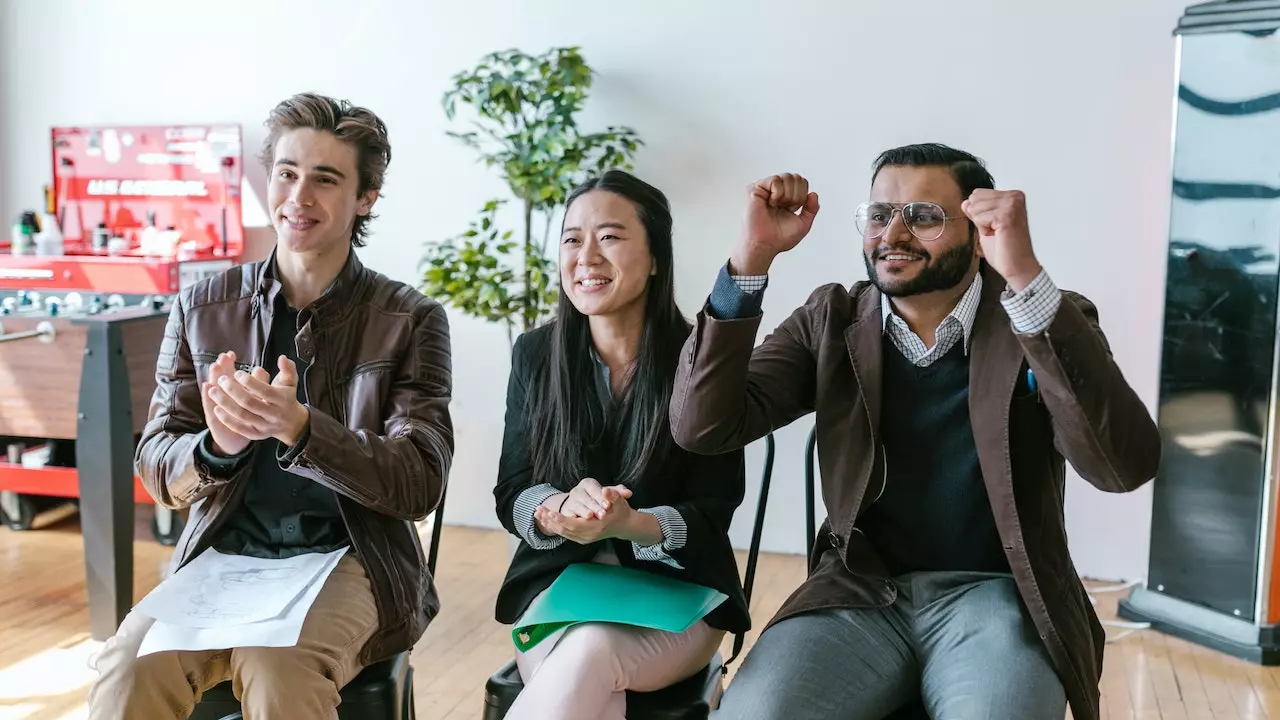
522	111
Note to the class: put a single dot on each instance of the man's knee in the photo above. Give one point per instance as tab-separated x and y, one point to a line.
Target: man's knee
761	687
126	680
261	673
754	695
1031	692
155	685
989	661
281	662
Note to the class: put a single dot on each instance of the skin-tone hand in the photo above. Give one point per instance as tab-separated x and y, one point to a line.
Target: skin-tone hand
1004	233
780	213
253	408
588	500
592	513
225	441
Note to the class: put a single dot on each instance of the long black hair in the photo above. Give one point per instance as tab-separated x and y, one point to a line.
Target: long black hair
564	411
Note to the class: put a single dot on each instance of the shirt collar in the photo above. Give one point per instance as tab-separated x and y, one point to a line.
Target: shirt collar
604	387
965	311
269	280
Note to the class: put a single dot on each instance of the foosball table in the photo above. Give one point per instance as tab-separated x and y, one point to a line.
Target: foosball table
133	215
47	358
77	373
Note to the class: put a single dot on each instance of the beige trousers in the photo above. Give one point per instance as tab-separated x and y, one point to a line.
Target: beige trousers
300	682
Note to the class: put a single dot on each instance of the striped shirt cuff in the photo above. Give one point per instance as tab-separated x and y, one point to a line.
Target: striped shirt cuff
522	517
1032	310
674	535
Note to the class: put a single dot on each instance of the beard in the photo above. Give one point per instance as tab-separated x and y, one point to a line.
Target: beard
939	272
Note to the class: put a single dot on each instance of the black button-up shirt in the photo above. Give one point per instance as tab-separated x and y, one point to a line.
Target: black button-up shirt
281	514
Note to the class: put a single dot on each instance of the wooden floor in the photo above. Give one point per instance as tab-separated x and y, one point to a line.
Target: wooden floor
45	649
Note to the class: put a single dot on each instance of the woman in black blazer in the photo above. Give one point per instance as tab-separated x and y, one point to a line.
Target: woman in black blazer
589	472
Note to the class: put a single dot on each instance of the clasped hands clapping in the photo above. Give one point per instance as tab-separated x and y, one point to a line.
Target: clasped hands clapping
241	407
588	512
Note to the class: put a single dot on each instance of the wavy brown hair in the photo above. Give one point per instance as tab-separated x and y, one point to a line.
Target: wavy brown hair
352	124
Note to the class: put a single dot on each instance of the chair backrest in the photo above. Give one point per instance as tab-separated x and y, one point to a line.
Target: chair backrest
436	524
753	553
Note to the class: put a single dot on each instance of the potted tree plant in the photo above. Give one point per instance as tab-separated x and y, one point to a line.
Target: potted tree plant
524	111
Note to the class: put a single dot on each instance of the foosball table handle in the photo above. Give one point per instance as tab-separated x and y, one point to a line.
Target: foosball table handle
45	331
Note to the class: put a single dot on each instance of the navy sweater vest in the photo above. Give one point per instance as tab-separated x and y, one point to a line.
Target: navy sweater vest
934	513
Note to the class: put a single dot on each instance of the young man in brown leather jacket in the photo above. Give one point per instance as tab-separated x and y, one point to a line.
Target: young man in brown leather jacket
301	407
948	390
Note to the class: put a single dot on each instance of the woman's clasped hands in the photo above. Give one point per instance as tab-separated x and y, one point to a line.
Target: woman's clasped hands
588	513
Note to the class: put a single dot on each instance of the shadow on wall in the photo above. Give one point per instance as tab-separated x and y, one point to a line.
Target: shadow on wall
687	153
7	65
258	239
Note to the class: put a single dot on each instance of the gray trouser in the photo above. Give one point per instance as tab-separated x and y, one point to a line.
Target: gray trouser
961	641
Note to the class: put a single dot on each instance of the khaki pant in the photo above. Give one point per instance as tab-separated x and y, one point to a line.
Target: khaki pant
299	682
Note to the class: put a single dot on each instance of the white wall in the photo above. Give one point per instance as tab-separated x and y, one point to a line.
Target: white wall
7	119
1072	108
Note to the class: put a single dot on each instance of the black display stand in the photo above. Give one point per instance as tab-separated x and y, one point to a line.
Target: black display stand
1214	505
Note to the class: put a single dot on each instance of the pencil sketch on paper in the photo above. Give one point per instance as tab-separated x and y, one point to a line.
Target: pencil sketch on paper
216	589
282	630
221	597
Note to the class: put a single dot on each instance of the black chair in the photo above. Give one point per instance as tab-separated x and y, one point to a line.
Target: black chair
690	699
913	710
382	691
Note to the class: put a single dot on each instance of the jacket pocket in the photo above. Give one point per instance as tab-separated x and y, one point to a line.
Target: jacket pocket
204	360
365	393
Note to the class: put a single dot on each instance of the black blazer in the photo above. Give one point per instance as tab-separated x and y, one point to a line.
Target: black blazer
704	489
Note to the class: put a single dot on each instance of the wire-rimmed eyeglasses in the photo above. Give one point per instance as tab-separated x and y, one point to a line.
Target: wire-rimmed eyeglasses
925	220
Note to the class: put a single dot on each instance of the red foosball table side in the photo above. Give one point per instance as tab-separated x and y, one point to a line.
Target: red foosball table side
59	482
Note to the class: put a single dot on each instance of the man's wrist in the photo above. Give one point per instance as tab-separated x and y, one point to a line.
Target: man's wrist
746	262
302	418
221	453
1019	279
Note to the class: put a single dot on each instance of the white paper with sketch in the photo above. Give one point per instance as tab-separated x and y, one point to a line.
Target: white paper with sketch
216	589
280	631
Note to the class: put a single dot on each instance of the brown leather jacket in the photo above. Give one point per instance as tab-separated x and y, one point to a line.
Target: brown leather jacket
826	359
378	387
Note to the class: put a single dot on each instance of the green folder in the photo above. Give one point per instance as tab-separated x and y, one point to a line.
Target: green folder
594	592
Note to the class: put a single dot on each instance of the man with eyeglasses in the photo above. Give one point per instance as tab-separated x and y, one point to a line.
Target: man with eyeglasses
948	389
